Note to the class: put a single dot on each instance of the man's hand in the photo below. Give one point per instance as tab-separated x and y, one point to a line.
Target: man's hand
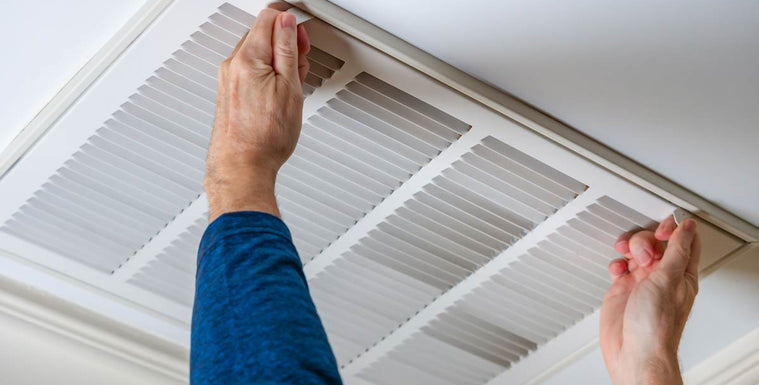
259	108
644	312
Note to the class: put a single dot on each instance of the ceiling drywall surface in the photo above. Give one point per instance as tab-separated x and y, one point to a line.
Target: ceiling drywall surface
672	85
45	44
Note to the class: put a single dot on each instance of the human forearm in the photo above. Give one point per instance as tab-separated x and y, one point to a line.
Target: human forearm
646	367
660	372
253	319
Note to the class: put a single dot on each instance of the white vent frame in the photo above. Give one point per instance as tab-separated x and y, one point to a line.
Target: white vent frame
492	106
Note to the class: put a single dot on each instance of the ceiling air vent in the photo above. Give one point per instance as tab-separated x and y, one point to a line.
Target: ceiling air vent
443	242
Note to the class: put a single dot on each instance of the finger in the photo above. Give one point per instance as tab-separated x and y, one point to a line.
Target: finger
618	268
279	6
642	247
257	44
632	266
239	44
658	249
285	42
622	245
612	311
303	67
304	45
695	256
680	247
665	229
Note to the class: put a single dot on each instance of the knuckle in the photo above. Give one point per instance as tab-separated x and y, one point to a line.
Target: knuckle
285	50
223	67
238	66
679	246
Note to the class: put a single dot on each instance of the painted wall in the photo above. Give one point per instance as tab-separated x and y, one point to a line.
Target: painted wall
673	85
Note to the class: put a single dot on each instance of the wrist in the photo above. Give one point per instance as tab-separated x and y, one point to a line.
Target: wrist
246	190
661	371
658	369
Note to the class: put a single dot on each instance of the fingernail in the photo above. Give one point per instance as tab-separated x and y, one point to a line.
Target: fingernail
288	20
689	225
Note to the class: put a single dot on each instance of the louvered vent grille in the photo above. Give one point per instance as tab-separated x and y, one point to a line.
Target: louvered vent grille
146	164
461	220
172	272
548	289
352	154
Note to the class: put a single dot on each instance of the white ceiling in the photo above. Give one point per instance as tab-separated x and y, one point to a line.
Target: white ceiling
46	43
673	85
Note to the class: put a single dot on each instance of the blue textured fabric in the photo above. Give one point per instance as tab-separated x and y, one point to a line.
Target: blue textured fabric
253	321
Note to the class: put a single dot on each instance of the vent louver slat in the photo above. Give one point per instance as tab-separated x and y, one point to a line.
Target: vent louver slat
549	288
172	272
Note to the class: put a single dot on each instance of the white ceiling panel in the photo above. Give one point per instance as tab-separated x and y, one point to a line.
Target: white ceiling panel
50	41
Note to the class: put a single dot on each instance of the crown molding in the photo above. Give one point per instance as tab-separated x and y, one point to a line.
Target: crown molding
84	326
737	364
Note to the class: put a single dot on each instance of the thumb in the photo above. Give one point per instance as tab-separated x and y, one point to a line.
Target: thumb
677	256
285	41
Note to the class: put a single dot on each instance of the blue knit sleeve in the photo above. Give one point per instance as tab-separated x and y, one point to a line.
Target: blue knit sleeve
253	321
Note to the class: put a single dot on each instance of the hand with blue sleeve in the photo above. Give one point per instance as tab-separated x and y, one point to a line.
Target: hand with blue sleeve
253	320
